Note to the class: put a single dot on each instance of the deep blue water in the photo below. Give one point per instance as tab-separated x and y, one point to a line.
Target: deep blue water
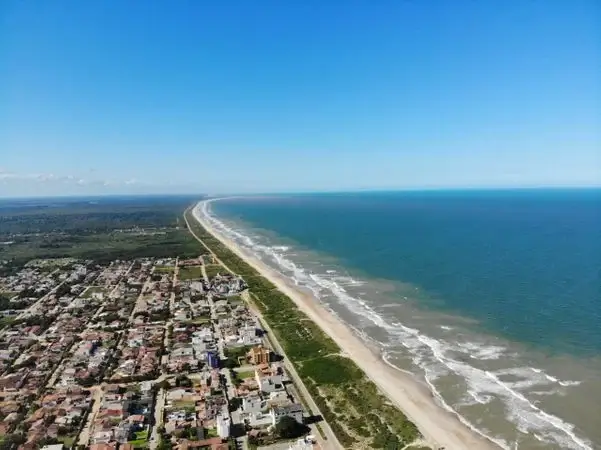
526	264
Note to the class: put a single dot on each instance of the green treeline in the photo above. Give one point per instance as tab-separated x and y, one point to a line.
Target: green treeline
102	231
352	405
88	217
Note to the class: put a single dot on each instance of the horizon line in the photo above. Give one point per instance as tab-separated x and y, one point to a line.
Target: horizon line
301	192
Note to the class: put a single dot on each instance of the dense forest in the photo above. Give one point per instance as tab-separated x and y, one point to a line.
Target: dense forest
90	215
101	229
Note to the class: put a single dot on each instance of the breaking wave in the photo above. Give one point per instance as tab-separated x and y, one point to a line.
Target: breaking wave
436	358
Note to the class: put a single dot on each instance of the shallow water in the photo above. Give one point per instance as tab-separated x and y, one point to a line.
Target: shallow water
516	392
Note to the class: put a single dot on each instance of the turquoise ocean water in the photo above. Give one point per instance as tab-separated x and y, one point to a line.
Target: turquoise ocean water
491	298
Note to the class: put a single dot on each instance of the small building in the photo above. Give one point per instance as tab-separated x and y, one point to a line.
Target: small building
294	410
53	447
269	383
223	426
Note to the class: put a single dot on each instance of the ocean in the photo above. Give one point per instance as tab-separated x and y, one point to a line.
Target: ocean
491	298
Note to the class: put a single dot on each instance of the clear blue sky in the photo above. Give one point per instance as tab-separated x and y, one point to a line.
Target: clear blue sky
245	96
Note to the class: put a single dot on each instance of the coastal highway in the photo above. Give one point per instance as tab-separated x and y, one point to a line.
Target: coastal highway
306	400
331	442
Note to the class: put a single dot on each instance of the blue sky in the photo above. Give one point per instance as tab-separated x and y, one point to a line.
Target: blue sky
192	96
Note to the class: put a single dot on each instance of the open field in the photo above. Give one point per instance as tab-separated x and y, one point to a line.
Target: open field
141	440
190	273
244	374
213	269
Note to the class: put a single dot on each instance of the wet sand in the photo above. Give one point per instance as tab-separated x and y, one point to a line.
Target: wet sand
439	427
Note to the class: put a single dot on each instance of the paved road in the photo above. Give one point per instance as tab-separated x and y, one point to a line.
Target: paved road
158	419
139	300
84	437
332	442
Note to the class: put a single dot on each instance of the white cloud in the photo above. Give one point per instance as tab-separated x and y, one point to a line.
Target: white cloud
7	176
44	177
88	182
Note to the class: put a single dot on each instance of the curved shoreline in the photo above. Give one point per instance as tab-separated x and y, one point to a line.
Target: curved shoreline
440	427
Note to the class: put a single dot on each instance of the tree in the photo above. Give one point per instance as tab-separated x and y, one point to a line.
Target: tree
49	420
289	428
165	444
11	440
164	385
234	403
183	381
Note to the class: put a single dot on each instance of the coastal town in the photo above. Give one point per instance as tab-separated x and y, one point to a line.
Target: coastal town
152	353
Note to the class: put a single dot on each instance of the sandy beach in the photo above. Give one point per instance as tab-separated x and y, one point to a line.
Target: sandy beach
439	427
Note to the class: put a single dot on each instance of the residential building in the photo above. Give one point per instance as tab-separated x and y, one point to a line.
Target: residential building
259	355
213	360
269	382
294	410
223	426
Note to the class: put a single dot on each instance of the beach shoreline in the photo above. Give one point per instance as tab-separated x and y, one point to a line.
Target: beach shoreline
440	427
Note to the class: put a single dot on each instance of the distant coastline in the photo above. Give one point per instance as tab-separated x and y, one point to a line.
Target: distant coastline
439	427
377	276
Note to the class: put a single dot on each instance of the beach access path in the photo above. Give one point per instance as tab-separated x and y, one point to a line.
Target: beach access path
440	427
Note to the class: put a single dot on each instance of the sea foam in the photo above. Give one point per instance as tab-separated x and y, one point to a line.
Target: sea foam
435	357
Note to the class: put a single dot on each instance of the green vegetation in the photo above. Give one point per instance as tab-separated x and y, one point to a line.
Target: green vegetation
67	440
233	355
244	374
235	300
289	428
99	230
104	247
357	412
141	440
214	269
332	370
184	404
190	273
7	304
164	444
211	433
164	269
6	321
88	216
199	320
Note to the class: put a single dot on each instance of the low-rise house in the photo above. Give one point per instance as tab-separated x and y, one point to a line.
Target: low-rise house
223	426
294	410
269	383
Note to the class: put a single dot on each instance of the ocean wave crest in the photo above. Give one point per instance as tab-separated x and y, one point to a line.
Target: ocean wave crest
435	357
